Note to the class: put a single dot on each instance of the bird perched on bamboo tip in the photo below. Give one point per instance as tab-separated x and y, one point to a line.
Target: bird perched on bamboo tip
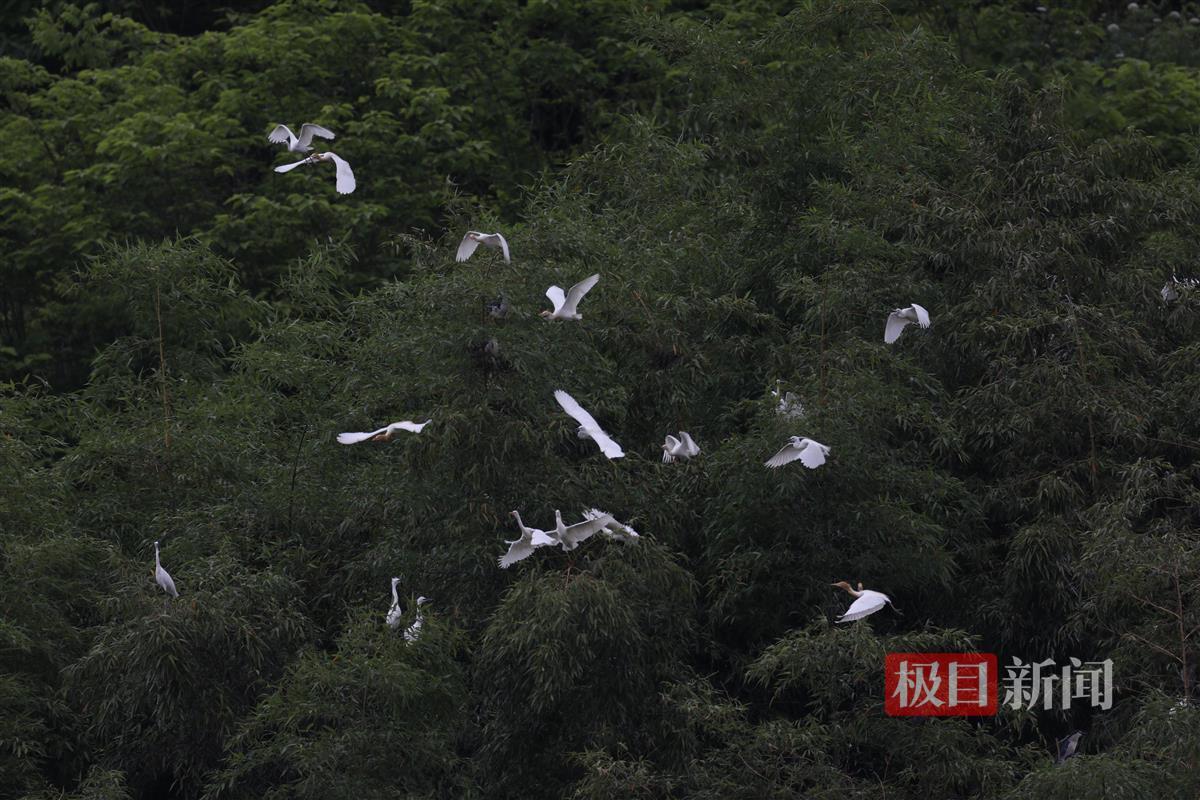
413	631
394	613
162	577
1067	747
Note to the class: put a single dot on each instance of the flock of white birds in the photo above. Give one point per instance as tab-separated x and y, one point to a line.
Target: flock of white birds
808	452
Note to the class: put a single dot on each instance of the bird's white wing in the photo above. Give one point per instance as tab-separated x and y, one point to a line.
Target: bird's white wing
164	580
895	326
555	293
813	454
1168	293
466	247
308	130
355	438
922	315
787	455
868	604
408	425
589	424
671	442
345	176
281	135
576	292
517	550
292	166
689	444
582	531
504	247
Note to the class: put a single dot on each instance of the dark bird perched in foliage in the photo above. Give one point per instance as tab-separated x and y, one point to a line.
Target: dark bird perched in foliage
498	308
1067	747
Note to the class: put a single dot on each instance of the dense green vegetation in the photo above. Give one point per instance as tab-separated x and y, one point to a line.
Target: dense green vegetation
758	185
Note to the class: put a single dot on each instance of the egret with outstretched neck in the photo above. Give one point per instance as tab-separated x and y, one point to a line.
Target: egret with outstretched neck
394	613
866	602
162	577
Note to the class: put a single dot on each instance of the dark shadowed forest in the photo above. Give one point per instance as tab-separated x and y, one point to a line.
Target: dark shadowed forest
761	188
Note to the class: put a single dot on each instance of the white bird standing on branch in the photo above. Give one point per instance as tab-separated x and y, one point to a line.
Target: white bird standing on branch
683	447
394	613
302	143
414	630
524	545
571	536
789	404
588	427
162	577
810	453
901	317
471	242
1170	289
565	305
866	602
383	434
344	175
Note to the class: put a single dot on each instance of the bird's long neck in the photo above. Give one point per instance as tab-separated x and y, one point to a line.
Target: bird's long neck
395	597
851	590
520	524
157	563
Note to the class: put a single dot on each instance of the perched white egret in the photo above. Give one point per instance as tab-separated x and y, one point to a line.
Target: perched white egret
524	545
344	175
1067	747
571	536
302	143
383	434
565	305
394	613
588	427
810	453
614	529
901	317
1170	289
683	447
413	631
866	602
473	239
162	577
789	405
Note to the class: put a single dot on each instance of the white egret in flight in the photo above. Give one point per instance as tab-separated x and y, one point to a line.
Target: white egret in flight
302	143
588	427
565	305
683	447
810	453
394	613
866	602
162	577
383	434
344	175
901	317
473	239
414	630
612	529
524	545
571	536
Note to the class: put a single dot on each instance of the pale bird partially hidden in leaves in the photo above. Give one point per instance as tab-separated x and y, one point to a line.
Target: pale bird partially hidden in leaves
810	453
1067	747
383	434
162	577
614	529
571	536
866	602
788	404
498	308
302	143
566	304
588	427
1171	289
683	447
394	613
901	317
470	243
524	545
413	631
344	175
